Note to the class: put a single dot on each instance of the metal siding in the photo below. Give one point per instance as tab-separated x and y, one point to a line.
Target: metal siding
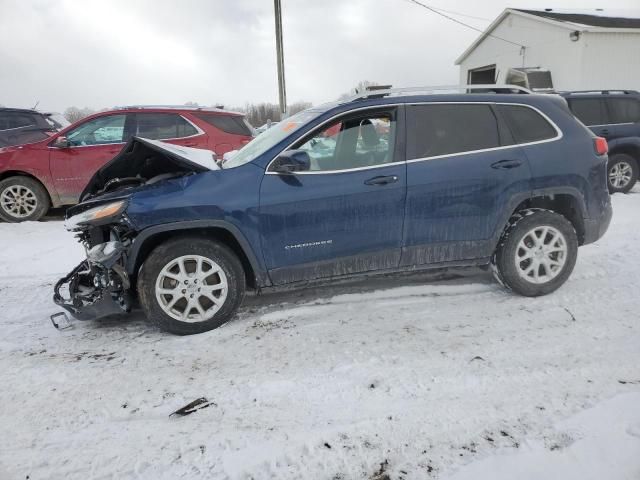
548	46
611	60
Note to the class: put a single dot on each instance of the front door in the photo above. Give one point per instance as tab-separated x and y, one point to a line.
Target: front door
90	146
345	214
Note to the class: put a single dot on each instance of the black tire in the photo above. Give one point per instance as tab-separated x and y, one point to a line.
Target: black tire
37	193
505	266
622	160
164	254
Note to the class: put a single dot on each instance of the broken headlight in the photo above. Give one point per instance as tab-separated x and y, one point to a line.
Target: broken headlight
97	215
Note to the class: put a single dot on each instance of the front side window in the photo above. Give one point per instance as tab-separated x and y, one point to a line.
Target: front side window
589	111
624	110
163	126
446	129
357	142
526	124
99	131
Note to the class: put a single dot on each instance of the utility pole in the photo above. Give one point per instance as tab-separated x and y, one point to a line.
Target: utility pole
282	91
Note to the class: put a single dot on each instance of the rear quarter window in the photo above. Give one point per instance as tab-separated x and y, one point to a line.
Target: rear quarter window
526	124
233	124
624	110
445	129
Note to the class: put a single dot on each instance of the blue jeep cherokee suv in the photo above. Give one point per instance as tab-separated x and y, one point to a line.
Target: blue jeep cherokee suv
388	181
614	115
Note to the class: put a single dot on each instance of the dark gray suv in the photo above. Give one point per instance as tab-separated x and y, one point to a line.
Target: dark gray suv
614	115
19	126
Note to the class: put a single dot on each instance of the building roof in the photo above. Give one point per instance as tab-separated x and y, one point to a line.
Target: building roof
593	20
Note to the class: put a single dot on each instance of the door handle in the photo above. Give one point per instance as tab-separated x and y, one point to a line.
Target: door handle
604	132
506	164
383	180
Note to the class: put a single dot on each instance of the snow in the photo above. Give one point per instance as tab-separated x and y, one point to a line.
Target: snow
428	376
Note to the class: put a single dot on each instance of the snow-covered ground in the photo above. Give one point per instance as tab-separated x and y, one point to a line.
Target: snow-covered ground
419	377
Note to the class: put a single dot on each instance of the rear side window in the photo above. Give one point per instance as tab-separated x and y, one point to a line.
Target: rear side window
234	124
624	110
589	111
444	129
159	126
526	124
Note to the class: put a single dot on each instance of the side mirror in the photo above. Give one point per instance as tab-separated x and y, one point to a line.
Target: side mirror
61	142
291	161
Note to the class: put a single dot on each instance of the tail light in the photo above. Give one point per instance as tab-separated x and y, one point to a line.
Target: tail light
600	145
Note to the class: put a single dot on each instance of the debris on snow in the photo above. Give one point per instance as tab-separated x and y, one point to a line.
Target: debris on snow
194	406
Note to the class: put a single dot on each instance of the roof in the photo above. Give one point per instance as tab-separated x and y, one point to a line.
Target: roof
593	20
184	108
18	110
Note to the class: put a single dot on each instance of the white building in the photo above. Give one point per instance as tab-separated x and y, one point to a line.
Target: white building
583	49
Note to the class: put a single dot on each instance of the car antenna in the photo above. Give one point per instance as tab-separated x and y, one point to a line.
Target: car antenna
37	103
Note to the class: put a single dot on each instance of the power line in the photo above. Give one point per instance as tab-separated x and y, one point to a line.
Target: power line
459	22
462	14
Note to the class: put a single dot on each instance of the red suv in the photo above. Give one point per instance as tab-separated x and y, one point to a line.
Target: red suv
54	171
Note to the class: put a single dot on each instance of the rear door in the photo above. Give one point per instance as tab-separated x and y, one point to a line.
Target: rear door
624	113
462	176
170	128
345	215
91	145
592	111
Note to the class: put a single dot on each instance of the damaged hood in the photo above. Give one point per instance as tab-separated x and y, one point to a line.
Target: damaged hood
143	161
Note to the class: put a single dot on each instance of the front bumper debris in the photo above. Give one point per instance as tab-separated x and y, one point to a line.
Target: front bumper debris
98	286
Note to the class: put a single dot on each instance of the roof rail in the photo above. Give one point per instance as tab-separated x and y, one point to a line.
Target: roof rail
603	92
377	93
172	107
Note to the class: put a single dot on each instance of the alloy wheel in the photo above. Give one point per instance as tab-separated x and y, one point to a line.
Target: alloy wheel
620	174
18	201
191	288
541	254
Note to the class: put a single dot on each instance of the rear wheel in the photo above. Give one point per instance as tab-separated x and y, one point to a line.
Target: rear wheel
22	199
191	285
622	173
537	252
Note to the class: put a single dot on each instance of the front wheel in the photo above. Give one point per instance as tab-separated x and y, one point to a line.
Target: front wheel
191	285
622	173
22	199
537	252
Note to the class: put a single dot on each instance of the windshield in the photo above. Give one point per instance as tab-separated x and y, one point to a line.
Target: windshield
269	138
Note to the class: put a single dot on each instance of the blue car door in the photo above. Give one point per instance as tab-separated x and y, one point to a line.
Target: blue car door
345	214
462	179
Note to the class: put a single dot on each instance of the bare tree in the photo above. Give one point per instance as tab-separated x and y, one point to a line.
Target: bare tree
73	114
298	107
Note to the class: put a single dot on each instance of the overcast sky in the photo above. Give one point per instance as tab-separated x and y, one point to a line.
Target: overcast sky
104	53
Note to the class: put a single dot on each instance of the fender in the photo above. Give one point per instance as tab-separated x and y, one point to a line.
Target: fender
262	278
623	142
540	192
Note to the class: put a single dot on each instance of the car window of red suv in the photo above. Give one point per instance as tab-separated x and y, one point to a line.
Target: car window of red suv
99	131
163	126
234	124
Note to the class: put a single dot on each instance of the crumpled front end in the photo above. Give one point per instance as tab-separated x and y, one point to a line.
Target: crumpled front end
99	285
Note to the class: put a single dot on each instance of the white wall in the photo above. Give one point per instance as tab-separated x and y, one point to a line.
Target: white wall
548	46
610	60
